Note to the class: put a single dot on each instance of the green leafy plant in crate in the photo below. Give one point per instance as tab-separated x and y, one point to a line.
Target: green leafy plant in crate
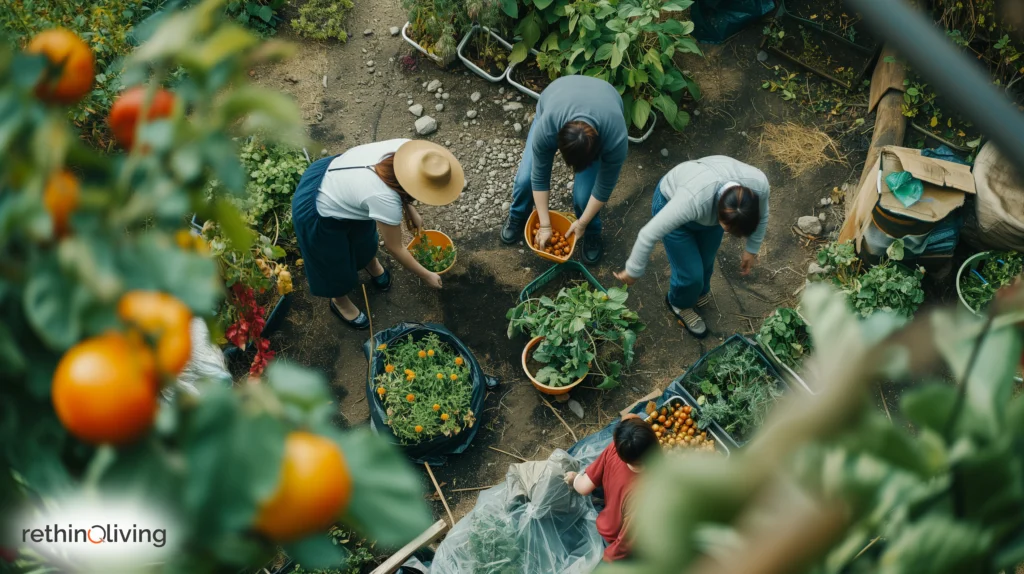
582	329
1002	268
786	334
736	391
888	286
435	25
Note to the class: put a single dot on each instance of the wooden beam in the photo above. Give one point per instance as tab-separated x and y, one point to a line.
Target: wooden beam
396	560
887	76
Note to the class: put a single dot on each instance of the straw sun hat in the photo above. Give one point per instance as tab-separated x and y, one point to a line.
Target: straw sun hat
429	172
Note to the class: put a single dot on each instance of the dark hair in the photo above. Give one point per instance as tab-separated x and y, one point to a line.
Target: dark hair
739	210
633	439
385	170
579	143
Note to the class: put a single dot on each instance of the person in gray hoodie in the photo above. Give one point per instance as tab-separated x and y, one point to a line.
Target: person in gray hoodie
582	117
694	205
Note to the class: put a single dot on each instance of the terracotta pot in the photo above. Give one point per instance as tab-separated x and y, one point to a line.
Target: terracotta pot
547	390
435	238
559	223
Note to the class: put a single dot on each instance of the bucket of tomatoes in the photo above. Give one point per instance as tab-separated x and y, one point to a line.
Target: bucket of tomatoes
675	425
560	247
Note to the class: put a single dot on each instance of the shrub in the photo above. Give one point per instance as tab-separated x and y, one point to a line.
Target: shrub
322	20
259	16
435	25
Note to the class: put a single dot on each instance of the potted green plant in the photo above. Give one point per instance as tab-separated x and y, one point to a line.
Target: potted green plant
985	273
483	50
786	338
433	27
579	329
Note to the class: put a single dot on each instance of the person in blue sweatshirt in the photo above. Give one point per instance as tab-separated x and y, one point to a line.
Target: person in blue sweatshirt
581	117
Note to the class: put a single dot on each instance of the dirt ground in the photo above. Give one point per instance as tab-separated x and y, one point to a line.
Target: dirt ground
358	107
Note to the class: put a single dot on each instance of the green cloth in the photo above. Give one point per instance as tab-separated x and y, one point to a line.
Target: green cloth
905	187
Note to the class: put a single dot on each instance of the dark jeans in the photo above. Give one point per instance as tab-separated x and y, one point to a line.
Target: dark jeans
691	251
522	189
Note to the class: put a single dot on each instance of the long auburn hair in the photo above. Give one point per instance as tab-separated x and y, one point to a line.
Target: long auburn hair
385	170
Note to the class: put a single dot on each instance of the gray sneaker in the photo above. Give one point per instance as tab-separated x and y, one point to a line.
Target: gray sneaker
690	320
704	300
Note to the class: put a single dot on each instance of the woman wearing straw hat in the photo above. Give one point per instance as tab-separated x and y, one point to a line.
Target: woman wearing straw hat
342	202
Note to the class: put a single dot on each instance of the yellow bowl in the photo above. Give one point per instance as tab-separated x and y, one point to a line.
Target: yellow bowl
435	238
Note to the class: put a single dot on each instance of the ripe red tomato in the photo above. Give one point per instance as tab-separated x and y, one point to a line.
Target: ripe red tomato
124	114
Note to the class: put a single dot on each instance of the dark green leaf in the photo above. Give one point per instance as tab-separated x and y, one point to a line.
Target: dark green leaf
53	305
316	552
266	13
641	113
297	385
510	8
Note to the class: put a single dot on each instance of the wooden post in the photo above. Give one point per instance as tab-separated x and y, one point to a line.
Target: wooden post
398	558
886	99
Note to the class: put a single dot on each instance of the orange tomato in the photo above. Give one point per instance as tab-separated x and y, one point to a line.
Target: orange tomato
72	66
124	114
315	487
105	389
61	199
164	318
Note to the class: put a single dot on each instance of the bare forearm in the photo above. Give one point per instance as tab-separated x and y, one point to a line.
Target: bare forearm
540	199
593	208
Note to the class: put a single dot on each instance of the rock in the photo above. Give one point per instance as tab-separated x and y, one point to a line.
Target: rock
696	113
664	152
762	56
518	127
369	63
471	114
416	110
474	97
822	217
428	125
439	107
433	85
291	79
826	201
815	269
479	143
395	30
370	70
445	96
568	185
465	124
512	106
501	90
323	152
506	206
367	32
409	102
576	408
424	85
809	224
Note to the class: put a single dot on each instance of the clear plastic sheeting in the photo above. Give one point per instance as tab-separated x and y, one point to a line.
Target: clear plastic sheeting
206	364
531	523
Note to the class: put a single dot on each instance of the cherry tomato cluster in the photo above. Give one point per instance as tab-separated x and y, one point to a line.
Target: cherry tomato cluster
558	245
674	428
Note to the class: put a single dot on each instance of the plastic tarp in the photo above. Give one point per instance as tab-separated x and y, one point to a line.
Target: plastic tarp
533	522
716	20
997	221
434	450
205	364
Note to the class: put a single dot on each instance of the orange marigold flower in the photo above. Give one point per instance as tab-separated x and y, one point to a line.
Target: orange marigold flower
382	346
459	361
430	352
381	391
389	368
444	416
437	407
422	353
410	377
409	373
419	428
454	377
410	397
440	377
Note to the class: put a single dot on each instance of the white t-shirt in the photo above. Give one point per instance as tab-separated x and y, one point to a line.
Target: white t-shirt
358	193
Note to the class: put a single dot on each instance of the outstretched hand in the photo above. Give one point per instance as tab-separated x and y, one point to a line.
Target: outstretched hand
577	228
747	262
625	277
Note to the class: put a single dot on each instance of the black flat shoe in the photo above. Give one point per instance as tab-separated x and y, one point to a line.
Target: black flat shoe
361	322
382	282
593	248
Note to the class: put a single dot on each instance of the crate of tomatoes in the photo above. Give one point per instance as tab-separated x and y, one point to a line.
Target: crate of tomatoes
675	425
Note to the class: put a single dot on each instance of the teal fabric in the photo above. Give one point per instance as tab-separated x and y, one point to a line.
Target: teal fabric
905	187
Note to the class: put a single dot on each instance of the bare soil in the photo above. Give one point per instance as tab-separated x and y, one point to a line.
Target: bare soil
359	107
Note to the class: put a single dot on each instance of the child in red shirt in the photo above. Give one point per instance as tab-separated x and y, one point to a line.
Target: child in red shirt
615	469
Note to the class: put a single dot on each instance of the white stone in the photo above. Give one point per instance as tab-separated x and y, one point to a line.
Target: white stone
433	85
428	125
815	269
518	127
822	217
409	102
501	90
439	107
512	106
367	32
444	96
437	96
664	152
369	63
809	224
395	30
471	114
474	97
416	110
506	206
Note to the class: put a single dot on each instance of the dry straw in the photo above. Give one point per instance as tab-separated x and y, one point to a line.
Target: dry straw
799	148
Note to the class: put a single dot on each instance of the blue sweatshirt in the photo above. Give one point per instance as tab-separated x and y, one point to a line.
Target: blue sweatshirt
587	99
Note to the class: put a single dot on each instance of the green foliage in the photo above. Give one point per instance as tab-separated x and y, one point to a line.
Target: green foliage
1002	268
888	286
436	24
322	19
734	389
494	546
631	44
259	16
434	257
786	334
274	171
107	26
358	554
212	458
434	375
581	327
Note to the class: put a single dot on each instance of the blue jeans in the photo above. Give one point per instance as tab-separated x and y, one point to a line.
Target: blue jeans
522	189
691	251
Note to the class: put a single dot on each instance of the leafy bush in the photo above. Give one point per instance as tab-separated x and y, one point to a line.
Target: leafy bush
436	24
322	20
786	334
631	44
425	389
735	390
887	286
257	15
1001	269
577	324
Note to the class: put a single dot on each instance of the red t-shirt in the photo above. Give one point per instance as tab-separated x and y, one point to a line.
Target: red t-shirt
612	474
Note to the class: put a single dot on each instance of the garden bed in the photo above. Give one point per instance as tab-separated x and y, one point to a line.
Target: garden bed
485	53
528	78
823	53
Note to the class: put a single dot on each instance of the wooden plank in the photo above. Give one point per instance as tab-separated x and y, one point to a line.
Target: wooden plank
396	560
653	395
887	76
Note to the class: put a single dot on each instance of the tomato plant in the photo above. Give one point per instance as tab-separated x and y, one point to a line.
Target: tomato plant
97	287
